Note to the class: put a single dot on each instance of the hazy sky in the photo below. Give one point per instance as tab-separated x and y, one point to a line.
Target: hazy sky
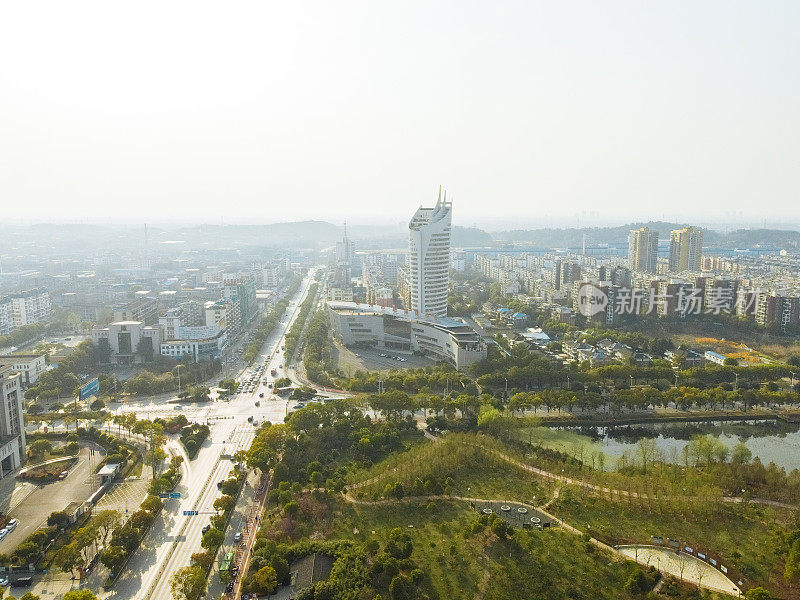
274	111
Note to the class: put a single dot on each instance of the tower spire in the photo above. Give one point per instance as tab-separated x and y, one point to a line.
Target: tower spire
440	194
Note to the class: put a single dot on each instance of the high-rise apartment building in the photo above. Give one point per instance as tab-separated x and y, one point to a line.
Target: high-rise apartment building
686	249
429	257
643	249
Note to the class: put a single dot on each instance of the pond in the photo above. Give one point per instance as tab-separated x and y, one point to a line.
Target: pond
769	440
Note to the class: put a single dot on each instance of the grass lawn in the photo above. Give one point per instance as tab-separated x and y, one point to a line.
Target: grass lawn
459	459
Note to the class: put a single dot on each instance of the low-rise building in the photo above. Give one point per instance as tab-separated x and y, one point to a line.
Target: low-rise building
440	338
29	366
125	338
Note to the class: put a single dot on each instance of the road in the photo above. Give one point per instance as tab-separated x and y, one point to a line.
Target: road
175	537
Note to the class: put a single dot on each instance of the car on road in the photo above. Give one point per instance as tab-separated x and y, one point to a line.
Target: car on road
63	474
3	533
12	524
206	529
4	582
237	539
177	407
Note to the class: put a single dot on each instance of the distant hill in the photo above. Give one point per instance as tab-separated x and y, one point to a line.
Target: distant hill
573	237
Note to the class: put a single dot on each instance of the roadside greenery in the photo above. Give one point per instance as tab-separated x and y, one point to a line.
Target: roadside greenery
293	337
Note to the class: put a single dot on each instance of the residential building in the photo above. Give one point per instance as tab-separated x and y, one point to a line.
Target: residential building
6	316
643	249
686	249
458	261
777	309
429	258
12	430
30	306
142	308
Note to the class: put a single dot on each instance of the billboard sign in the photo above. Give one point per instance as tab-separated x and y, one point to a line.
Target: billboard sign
90	389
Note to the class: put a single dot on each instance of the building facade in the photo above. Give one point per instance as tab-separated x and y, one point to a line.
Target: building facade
429	258
686	249
29	366
124	338
439	338
12	431
29	307
643	250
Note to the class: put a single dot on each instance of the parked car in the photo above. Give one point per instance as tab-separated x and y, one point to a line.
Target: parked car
237	539
206	528
3	533
12	524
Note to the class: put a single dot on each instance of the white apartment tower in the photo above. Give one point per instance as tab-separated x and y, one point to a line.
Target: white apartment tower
429	258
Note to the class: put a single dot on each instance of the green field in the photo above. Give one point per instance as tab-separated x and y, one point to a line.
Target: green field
748	539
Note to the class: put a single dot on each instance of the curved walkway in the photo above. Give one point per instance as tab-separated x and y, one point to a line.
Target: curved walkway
680	565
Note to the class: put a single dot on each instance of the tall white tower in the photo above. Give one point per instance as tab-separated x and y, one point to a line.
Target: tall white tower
429	257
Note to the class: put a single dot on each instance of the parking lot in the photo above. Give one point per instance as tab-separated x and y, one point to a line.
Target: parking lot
42	500
350	360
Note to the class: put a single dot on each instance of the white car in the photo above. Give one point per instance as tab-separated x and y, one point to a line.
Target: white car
12	524
3	533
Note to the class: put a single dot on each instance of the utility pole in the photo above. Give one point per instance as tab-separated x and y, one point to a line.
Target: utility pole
179	379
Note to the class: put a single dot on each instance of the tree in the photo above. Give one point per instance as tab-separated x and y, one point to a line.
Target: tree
212	539
730	362
266	580
187	583
758	593
28	596
101	353
113	557
69	558
38	448
144	349
58	519
79	595
281	567
224	503
97	405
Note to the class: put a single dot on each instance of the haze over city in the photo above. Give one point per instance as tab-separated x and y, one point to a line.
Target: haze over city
266	112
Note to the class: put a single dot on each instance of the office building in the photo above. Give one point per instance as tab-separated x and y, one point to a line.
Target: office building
643	250
440	338
131	341
429	258
686	249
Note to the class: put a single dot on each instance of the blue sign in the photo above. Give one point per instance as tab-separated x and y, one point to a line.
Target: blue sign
190	513
90	389
175	495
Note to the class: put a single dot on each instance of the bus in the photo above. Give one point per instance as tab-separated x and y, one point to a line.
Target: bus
225	563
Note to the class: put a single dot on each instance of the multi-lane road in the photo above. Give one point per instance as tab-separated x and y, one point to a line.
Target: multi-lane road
174	537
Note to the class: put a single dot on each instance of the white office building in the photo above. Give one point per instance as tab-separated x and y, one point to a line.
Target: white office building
439	338
429	258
